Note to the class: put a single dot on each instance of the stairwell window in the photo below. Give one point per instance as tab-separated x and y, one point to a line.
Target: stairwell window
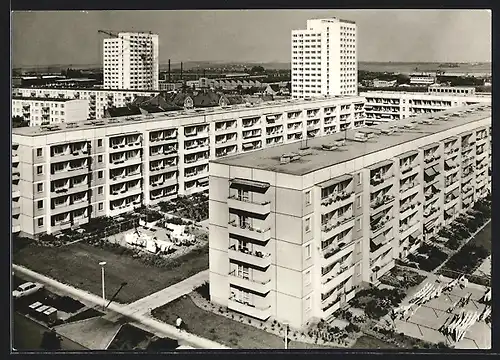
359	202
308	198
360	178
307	225
308	251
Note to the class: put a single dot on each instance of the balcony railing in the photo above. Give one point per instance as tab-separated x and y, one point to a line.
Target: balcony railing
247	230
378	202
336	197
260	286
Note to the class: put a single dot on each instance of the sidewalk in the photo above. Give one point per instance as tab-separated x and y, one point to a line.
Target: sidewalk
165	329
162	297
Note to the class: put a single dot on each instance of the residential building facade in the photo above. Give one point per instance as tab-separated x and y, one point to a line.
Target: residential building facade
98	99
324	59
295	231
130	61
382	106
71	172
43	111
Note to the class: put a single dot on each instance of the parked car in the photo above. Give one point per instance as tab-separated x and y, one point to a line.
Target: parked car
25	289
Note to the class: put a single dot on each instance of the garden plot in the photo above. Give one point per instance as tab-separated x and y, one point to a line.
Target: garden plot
194	207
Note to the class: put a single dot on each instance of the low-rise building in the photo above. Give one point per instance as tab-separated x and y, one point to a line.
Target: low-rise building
452	90
384	83
98	99
382	106
71	172
296	231
45	111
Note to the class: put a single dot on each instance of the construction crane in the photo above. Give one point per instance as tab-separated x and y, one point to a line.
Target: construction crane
146	56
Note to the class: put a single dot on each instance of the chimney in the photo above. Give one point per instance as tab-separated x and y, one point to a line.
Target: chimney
181	70
169	70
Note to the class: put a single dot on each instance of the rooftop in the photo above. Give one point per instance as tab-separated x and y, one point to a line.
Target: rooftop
44	99
171	115
84	89
318	156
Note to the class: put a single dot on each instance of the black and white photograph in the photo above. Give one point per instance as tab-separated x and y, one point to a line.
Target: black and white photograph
196	180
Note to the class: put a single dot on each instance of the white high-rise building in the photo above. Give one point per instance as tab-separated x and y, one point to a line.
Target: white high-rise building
130	61
324	59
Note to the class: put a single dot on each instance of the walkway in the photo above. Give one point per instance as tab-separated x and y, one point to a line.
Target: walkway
163	328
162	297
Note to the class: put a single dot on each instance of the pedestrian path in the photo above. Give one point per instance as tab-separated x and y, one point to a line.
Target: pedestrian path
162	297
163	328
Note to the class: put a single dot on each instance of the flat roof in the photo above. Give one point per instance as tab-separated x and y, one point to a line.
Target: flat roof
316	157
173	115
30	98
82	89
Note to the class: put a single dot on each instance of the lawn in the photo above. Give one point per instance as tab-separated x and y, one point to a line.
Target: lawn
222	329
370	342
78	265
470	256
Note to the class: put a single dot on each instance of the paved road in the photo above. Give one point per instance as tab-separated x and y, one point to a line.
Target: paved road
162	297
163	328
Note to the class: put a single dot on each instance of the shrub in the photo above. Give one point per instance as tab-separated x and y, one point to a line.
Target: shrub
204	290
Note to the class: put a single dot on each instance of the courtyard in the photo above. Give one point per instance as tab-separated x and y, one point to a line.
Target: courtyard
429	318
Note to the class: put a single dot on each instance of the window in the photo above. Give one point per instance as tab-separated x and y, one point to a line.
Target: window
308	198
39	152
307	277
358	224
40	221
358	269
358	201
308	251
99	174
99	190
358	247
360	178
99	142
39	170
307	224
39	204
39	187
101	206
307	304
99	158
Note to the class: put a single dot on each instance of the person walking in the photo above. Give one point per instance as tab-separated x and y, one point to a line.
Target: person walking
178	323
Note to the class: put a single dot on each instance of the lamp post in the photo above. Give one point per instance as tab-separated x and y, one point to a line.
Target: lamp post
286	335
103	263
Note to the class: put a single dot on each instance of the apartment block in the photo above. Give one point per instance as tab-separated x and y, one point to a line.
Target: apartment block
324	59
383	106
73	171
130	61
296	230
43	111
98	99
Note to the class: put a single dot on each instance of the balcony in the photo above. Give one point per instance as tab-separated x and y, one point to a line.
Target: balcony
408	208
258	312
16	175
16	193
381	225
16	228
344	273
337	200
337	250
249	231
70	172
15	158
408	229
384	247
135	160
431	160
379	182
70	155
67	207
241	203
16	210
259	286
68	190
381	203
341	224
409	189
116	179
257	258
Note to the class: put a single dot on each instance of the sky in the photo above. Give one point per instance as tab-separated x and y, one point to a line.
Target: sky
71	37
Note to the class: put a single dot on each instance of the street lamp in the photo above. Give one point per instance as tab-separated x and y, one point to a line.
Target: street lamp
103	263
286	335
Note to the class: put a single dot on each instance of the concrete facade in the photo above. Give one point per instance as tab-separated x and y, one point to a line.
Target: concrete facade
40	111
130	61
324	59
98	99
294	233
381	106
64	175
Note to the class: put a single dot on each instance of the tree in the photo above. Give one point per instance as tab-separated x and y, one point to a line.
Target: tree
257	70
18	121
51	341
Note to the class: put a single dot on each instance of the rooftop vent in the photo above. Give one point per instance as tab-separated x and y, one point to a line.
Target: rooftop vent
329	147
113	121
71	125
289	157
389	131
